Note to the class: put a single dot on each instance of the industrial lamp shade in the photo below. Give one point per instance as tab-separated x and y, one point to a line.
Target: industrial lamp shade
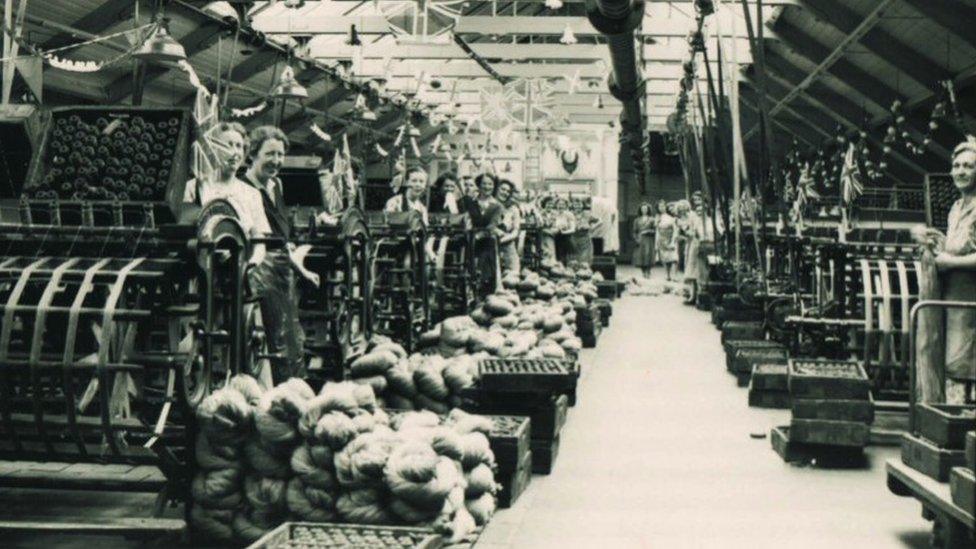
288	87
161	47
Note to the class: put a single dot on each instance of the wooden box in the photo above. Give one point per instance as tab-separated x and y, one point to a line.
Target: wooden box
323	534
528	375
962	486
826	456
547	416
734	329
945	424
828	379
768	399
925	457
514	482
733	346
769	377
745	359
544	454
510	441
833	409
830	433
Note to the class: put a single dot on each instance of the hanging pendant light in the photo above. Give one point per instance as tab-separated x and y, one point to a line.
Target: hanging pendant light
353	37
288	86
554	4
568	37
294	4
161	47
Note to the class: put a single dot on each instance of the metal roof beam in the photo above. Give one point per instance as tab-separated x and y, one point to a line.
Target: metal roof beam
879	42
97	21
372	68
840	110
864	84
866	24
956	17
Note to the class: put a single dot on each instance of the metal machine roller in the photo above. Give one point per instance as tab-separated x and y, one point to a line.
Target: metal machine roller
335	315
453	273
400	289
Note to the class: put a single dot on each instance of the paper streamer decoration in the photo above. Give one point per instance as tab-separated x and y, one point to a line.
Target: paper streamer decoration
399	137
437	143
249	111
191	74
381	151
72	66
415	147
320	133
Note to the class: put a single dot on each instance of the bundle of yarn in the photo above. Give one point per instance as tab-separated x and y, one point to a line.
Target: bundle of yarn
264	457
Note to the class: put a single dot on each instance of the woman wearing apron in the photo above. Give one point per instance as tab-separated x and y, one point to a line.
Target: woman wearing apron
665	244
957	265
643	231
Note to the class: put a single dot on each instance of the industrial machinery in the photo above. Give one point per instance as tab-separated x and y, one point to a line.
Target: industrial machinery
336	315
399	286
117	321
453	288
862	295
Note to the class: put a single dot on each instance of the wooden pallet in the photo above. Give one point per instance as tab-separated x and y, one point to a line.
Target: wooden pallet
936	498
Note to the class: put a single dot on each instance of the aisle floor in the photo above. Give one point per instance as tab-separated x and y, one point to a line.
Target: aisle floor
658	453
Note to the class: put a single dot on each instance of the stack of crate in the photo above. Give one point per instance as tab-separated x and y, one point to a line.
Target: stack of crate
541	390
832	412
938	443
962	480
589	324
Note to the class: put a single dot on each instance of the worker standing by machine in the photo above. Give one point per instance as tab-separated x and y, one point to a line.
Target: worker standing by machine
273	280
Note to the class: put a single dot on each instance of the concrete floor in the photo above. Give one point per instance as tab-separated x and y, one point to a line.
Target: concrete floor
658	453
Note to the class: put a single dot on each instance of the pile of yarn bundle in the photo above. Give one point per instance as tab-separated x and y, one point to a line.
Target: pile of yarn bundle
264	457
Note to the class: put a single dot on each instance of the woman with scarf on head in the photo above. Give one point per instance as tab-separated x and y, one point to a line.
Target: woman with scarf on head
665	244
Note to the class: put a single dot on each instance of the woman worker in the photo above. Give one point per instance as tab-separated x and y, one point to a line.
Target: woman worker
665	245
643	232
957	266
510	226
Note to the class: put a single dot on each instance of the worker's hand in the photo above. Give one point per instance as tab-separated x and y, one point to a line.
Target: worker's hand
944	261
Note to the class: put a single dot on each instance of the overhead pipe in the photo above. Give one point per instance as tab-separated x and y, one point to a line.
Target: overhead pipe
618	20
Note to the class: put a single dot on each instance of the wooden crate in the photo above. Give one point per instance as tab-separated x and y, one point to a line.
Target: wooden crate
505	375
925	457
769	377
733	346
312	535
779	400
962	486
833	409
172	128
606	289
735	329
828	379
509	440
745	359
825	456
830	433
544	454
514	483
547	416
945	424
